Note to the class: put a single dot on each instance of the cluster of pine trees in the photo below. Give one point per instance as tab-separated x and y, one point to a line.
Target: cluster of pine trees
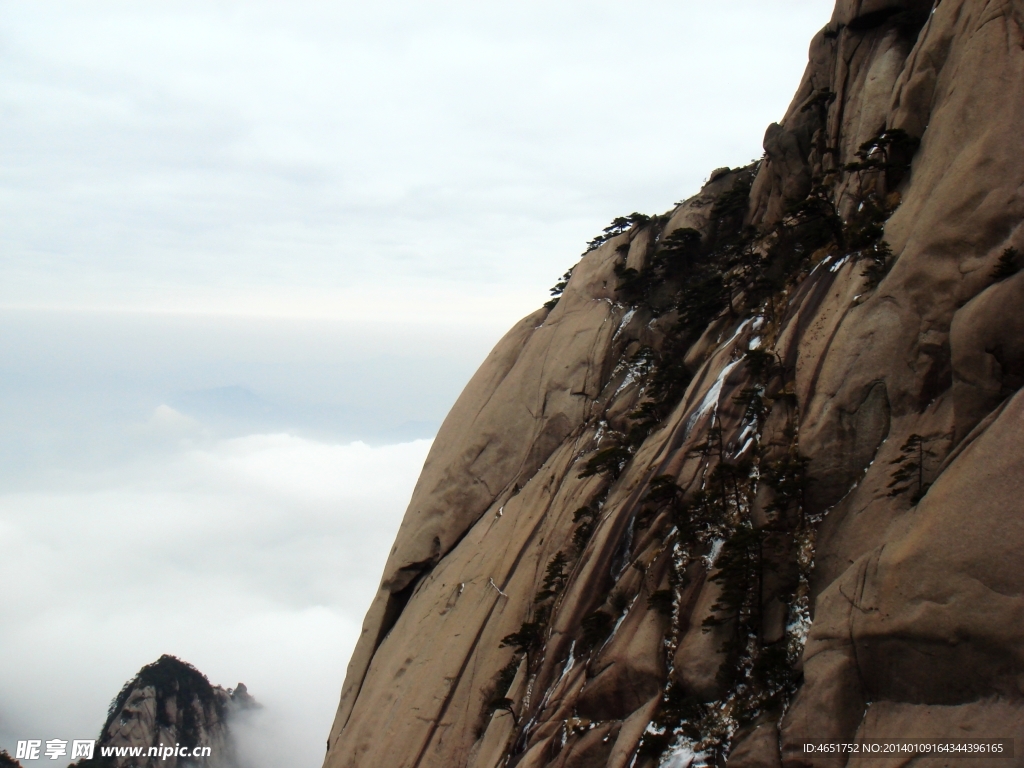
744	524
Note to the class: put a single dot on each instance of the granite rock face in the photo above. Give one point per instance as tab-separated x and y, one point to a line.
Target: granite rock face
756	478
167	704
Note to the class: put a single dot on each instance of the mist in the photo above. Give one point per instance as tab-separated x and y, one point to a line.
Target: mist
225	490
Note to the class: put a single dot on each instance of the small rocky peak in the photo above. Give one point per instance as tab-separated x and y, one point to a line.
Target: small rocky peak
170	715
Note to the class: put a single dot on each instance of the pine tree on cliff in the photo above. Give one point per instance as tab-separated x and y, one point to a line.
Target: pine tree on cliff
909	475
890	151
1007	266
619	225
559	288
554	578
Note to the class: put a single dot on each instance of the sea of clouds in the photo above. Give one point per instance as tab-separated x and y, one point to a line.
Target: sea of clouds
243	531
252	558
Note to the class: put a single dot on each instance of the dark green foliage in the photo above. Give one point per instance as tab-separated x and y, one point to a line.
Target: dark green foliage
697	520
728	271
764	365
729	241
663	490
559	287
586	519
773	673
666	386
587	512
909	473
498	700
866	225
697	279
676	250
530	636
641	365
632	284
702	291
502	702
768	684
661	601
594	630
674	256
643	361
755	409
1007	266
878	262
6	761
617	227
702	298
890	151
788	479
618	601
814	221
678	710
608	461
555	578
731	206
505	676
726	486
809	225
737	570
582	534
756	677
863	235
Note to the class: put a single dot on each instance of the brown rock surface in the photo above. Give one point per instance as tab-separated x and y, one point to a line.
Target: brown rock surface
170	703
747	543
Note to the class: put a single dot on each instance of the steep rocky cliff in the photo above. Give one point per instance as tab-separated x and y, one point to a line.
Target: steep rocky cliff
170	704
756	476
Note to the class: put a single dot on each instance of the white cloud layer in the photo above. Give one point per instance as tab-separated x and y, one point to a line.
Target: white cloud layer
253	558
394	159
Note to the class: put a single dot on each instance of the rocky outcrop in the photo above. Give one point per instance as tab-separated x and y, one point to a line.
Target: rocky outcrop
754	479
170	705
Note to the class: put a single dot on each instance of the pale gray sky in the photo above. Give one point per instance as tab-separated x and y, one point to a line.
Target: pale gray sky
352	159
238	237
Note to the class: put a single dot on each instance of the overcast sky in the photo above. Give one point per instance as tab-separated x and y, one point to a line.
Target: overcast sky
249	255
